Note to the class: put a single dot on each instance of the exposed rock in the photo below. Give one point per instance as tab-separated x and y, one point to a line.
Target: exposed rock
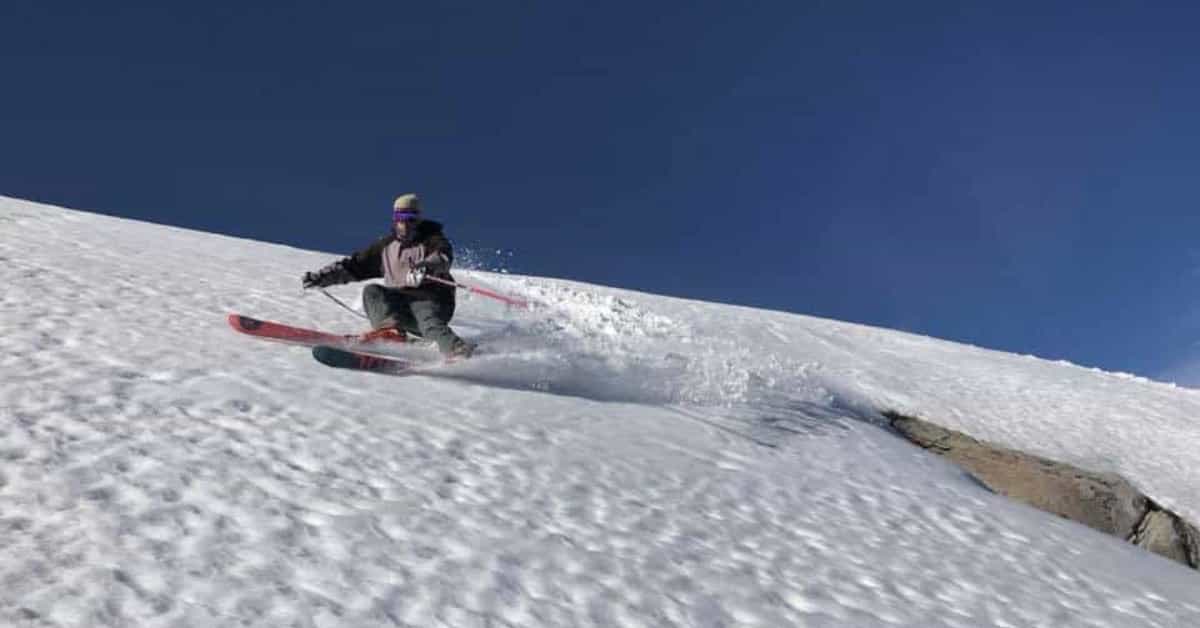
1191	539
1164	533
1157	533
1103	501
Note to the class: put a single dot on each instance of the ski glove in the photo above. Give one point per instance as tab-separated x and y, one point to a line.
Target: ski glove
332	274
435	262
414	277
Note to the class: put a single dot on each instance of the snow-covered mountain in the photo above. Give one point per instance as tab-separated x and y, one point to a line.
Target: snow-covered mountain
613	459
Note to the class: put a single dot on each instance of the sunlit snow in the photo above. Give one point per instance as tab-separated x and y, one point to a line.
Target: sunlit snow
612	458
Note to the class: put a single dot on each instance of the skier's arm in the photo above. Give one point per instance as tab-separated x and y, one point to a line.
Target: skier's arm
330	275
364	264
438	255
367	263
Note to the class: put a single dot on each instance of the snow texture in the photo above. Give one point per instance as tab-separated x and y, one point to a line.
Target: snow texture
612	458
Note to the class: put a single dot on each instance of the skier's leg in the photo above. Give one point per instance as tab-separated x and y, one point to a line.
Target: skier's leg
387	308
432	323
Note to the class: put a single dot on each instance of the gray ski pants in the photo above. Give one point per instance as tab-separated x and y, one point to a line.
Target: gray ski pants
392	307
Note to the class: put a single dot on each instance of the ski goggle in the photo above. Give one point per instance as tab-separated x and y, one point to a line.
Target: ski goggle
405	216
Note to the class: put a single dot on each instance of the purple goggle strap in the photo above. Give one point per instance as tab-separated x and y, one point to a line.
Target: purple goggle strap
405	216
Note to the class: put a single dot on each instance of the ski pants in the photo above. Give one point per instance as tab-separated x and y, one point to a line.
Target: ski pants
415	313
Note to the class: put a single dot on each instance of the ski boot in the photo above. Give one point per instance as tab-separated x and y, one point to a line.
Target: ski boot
385	335
460	350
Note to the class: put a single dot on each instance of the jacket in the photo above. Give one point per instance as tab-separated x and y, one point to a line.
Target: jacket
391	259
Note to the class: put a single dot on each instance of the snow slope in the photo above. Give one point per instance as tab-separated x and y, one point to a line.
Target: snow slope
618	459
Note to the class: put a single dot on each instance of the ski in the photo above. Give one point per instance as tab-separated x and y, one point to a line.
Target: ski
280	332
304	337
346	359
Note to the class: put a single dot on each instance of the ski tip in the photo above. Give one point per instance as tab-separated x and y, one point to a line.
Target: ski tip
243	323
328	355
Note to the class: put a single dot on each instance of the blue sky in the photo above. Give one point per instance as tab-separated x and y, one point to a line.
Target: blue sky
1019	177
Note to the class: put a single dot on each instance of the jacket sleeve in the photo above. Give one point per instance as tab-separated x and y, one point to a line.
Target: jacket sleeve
439	254
367	263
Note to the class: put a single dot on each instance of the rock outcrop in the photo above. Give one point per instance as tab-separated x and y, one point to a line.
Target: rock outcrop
1103	501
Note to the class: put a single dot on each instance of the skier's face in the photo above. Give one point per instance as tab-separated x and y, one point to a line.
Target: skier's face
404	224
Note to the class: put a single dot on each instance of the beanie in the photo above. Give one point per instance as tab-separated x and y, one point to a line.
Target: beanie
407	203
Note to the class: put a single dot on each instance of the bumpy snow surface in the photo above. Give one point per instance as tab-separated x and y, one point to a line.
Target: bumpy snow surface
611	459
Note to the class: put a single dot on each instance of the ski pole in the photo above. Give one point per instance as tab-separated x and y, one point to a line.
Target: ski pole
480	291
343	304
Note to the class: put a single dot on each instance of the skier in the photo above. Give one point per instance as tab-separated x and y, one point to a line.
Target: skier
408	302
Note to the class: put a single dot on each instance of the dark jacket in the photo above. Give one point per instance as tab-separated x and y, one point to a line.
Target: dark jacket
390	259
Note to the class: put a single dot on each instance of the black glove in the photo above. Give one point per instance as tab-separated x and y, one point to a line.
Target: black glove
332	274
435	263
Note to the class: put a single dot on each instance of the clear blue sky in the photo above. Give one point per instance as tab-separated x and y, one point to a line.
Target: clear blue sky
1018	177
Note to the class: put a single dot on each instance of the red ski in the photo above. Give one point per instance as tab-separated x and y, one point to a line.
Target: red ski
280	332
292	335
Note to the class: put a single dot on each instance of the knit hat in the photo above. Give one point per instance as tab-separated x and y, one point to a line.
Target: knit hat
407	203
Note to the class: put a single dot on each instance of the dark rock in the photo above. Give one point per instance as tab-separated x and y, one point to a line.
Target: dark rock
1102	501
